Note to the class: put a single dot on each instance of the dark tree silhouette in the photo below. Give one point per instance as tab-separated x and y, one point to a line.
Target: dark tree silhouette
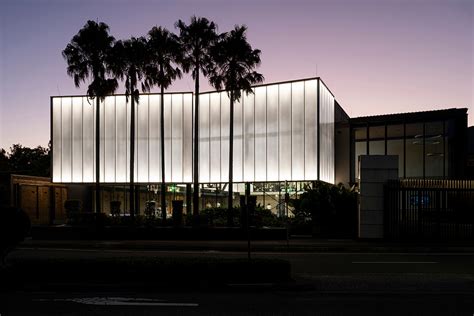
25	160
87	56
196	40
129	58
165	53
235	61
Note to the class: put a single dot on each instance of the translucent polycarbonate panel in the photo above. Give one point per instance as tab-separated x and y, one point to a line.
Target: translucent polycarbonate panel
326	127
102	140
177	138
154	140
188	137
66	134
168	135
225	124
204	147
109	139
311	130
285	131
272	133
238	169
275	136
88	135
77	139
215	137
121	150
261	133
297	130
248	101
57	139
143	116
129	115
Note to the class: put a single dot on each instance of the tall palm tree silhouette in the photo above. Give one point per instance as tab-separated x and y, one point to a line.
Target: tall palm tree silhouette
129	60
88	57
164	52
235	61
196	40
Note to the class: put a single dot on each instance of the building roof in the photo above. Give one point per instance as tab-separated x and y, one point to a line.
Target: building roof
411	116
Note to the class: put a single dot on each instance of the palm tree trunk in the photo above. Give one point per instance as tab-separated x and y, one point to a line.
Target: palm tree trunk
97	157
132	158
196	148
231	162
162	134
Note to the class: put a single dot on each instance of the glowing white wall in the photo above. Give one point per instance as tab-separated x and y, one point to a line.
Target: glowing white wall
326	127
73	136
275	136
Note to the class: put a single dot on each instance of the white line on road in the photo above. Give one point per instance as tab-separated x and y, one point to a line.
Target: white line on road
394	262
112	301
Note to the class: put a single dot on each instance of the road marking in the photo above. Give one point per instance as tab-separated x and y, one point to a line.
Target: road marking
394	262
119	301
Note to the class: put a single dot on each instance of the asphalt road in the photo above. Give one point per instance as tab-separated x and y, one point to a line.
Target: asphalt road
325	284
303	263
237	303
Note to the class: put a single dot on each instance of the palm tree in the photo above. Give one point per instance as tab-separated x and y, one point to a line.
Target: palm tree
129	59
235	61
164	52
196	40
87	56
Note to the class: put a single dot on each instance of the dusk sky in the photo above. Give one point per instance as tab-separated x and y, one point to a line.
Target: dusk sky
384	56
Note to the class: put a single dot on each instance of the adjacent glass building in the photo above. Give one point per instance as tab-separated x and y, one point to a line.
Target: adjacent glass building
429	144
282	132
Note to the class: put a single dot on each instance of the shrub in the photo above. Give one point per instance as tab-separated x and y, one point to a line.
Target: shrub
150	209
14	226
330	210
115	207
73	206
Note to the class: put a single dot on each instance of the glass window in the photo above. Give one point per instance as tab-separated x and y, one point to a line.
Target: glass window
377	147
434	149
377	132
395	131
414	130
360	133
414	156
395	147
360	149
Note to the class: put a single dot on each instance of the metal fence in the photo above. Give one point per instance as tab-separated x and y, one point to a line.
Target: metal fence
429	209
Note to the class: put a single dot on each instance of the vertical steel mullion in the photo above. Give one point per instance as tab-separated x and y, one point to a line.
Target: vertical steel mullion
254	136
318	126
72	140
244	136
182	138
266	138
220	137
82	137
291	131
278	136
148	138
304	130
115	122
61	138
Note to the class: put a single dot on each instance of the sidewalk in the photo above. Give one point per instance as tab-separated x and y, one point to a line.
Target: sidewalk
292	245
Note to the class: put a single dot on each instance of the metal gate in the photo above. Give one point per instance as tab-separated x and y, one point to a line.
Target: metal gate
429	209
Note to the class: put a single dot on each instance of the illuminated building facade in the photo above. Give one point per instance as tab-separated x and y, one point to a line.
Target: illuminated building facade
282	132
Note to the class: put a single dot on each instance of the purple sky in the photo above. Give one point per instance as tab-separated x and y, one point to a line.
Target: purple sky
378	56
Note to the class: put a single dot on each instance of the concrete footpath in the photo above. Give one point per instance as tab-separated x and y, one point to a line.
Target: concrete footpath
292	245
